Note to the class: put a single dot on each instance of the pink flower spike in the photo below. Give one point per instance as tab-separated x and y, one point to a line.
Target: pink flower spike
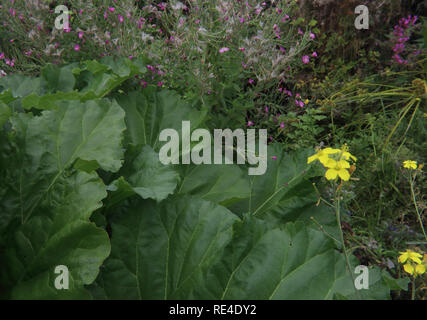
305	59
105	14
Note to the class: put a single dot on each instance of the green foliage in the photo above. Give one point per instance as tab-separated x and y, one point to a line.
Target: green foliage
86	172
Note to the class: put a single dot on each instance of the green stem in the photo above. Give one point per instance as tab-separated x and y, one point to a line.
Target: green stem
347	261
415	204
413	289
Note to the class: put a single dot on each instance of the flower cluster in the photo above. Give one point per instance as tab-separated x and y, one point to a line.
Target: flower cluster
336	161
410	164
401	35
412	262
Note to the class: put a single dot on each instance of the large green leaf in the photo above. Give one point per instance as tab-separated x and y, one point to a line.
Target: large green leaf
150	111
94	80
163	251
5	113
58	233
286	175
146	176
223	184
58	78
49	144
294	262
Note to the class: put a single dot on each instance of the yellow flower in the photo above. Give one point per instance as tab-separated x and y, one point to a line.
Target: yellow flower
345	154
411	255
337	168
419	269
409	164
322	155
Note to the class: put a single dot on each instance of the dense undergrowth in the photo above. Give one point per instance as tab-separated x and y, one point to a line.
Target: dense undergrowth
82	185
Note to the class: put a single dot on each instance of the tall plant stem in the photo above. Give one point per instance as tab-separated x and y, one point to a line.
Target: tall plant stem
413	289
414	200
347	261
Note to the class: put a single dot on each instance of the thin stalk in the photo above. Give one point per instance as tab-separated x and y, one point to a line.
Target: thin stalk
414	200
347	261
413	289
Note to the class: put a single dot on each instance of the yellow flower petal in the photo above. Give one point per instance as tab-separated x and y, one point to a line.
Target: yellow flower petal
312	158
403	257
414	256
330	150
330	163
408	268
342	164
420	269
343	173
324	159
331	174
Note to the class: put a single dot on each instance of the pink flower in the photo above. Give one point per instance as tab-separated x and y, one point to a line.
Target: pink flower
105	14
250	123
120	18
242	49
160	83
285	18
76	47
251	81
314	54
305	59
274	157
111	9
242	20
282	124
312	36
300	31
2	56
81	34
130	57
225	49
266	109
